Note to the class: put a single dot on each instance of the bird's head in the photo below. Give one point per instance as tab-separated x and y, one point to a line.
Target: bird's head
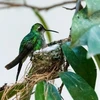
39	28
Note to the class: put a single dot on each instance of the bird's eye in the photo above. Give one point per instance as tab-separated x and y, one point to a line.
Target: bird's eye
40	28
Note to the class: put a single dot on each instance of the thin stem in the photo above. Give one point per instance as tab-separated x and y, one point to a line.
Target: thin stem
9	5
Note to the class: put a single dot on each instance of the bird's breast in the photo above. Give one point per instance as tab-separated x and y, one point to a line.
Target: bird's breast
43	41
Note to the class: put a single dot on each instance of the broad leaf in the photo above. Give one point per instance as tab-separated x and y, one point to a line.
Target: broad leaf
92	6
52	93
84	67
85	27
97	58
39	92
92	37
46	91
78	87
80	24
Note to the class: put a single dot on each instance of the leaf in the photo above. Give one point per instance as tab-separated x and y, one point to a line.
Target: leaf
78	87
82	66
85	31
97	58
46	91
93	40
52	93
39	92
44	23
80	24
92	6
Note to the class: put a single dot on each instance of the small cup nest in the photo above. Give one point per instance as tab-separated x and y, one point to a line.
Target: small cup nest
46	64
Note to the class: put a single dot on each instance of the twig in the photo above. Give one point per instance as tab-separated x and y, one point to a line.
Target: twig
78	6
70	8
59	41
3	87
60	88
9	5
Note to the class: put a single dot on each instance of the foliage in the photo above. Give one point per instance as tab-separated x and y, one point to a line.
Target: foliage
46	91
85	30
81	65
78	87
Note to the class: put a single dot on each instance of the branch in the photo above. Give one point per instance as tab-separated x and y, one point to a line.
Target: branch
78	6
69	8
9	5
60	88
3	87
59	41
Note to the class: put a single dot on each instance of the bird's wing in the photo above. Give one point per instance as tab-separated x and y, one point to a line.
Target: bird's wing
25	48
30	42
29	38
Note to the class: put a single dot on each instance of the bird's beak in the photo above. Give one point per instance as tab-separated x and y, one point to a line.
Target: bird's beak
51	31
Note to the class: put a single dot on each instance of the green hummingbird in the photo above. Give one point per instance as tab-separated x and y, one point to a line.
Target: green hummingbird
31	42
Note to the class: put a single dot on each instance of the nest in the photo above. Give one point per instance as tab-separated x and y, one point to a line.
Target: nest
45	65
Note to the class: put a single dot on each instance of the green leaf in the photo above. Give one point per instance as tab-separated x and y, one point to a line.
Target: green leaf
44	23
82	66
80	24
52	93
97	58
46	91
39	92
92	6
92	37
78	87
85	29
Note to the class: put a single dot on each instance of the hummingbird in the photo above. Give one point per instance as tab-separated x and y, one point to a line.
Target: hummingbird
33	41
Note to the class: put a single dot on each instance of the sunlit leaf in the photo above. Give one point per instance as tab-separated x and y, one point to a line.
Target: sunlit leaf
80	25
78	87
85	29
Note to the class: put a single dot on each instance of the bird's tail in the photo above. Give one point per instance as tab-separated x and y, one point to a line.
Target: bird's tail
14	62
19	69
20	57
